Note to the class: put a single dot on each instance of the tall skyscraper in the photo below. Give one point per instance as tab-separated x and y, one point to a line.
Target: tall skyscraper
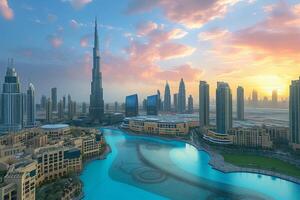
43	102
223	107
11	101
54	99
240	103
294	113
48	110
175	102
254	98
181	97
159	100
64	102
60	110
152	105
116	107
190	104
96	97
204	103
274	97
30	106
167	98
131	105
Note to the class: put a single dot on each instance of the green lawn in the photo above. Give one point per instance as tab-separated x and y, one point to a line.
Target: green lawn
260	162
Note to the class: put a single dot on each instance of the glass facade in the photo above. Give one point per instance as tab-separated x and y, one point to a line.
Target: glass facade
152	105
131	106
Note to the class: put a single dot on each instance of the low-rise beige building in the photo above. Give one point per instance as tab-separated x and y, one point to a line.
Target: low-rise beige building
23	176
56	161
160	125
250	137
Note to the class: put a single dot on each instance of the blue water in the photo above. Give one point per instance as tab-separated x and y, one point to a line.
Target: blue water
151	168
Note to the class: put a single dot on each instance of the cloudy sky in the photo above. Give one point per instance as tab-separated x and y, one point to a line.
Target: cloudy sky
253	43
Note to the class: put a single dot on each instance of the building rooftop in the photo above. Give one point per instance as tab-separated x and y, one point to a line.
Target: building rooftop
55	126
166	118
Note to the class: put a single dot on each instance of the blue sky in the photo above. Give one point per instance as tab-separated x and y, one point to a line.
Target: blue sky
51	43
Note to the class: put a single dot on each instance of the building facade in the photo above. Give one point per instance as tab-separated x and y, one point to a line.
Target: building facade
190	104
167	98
204	103
240	103
294	114
96	109
223	107
131	106
181	97
11	102
152	105
54	99
30	106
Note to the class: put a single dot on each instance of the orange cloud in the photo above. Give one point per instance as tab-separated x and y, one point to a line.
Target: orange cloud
5	10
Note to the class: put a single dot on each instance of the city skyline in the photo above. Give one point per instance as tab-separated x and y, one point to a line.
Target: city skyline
60	45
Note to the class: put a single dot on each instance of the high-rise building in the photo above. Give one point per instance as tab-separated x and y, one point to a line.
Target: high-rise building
83	108
254	98
60	110
190	104
223	107
54	99
175	101
181	97
48	110
30	106
294	113
167	98
11	101
72	110
240	103
131	106
152	105
96	97
64	102
116	107
204	103
274	97
159	100
69	99
43	102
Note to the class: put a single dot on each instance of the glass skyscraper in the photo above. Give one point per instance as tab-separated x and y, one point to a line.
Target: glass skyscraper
11	101
96	97
167	98
240	103
223	107
204	103
30	106
152	105
131	106
294	113
181	97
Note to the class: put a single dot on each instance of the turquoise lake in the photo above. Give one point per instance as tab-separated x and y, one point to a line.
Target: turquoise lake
141	168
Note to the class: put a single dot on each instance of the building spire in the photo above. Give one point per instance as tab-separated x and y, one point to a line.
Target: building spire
96	43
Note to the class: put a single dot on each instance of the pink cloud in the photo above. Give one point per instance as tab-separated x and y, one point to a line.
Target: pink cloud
191	13
78	4
84	40
213	34
5	10
55	41
279	34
